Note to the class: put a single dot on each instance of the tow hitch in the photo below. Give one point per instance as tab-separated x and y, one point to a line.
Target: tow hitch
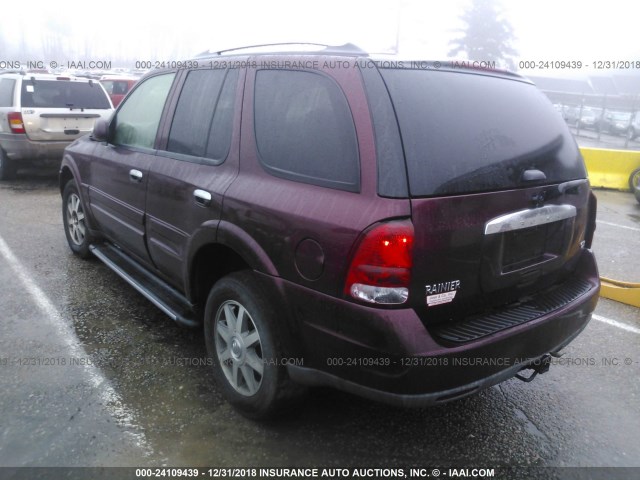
539	366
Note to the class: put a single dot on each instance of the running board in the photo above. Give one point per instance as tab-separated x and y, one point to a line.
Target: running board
162	295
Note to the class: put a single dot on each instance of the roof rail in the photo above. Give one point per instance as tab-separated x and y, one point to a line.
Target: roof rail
346	48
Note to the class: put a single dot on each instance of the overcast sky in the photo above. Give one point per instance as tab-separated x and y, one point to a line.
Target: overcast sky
545	29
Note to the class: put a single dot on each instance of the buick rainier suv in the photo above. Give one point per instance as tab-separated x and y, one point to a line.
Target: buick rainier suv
405	233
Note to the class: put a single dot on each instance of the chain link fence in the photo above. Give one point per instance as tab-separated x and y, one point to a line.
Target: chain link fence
601	121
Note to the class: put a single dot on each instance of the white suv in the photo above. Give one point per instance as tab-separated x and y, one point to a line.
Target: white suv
41	114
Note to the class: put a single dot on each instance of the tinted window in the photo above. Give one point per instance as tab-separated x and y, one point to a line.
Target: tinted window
6	92
203	120
139	116
108	86
115	87
222	126
469	133
392	173
63	94
304	129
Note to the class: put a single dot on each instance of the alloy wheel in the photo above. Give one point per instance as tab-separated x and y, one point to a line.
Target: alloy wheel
75	219
239	348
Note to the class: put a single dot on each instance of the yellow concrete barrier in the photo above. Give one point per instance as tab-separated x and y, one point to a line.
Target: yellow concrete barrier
610	168
623	292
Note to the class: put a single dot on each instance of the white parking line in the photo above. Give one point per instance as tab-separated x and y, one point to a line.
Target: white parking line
110	398
615	323
619	226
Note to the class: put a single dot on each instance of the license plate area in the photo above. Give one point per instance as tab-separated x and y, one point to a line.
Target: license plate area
523	247
531	246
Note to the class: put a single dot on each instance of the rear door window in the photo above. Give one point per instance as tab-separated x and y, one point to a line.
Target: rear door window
63	94
466	132
304	129
203	120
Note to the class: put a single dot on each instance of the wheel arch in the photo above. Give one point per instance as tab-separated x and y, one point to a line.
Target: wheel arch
216	252
65	175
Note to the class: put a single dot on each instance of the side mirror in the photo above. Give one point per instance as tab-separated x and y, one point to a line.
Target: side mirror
100	130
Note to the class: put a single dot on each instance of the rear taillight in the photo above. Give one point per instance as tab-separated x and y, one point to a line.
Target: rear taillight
591	220
15	122
381	267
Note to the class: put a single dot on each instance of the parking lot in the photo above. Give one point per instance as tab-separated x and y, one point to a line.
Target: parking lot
94	374
590	138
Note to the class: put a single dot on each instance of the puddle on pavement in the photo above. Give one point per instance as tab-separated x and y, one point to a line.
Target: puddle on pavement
161	372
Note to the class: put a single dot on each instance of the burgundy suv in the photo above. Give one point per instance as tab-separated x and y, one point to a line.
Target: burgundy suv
407	233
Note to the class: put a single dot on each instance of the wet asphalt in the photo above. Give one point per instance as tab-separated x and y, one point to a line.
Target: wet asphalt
92	374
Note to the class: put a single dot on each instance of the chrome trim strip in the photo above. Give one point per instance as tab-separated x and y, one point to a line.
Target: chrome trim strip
529	218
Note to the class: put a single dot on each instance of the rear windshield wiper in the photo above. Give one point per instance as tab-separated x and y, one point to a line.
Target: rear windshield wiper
571	187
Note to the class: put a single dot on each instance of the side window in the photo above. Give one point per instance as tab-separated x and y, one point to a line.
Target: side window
138	118
304	129
108	86
203	121
222	126
6	92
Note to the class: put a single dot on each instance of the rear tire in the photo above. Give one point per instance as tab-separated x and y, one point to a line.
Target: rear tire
634	180
634	183
74	220
242	336
7	167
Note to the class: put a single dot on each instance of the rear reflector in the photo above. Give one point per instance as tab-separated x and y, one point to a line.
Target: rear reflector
15	122
381	267
591	220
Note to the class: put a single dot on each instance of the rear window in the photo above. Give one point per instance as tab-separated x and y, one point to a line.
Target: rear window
63	94
466	133
115	87
304	129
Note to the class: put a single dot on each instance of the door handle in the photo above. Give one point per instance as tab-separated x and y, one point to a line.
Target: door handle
135	175
202	197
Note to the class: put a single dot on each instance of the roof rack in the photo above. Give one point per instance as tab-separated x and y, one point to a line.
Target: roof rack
342	49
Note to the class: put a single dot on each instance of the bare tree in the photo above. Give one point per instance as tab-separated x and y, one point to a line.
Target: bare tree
53	39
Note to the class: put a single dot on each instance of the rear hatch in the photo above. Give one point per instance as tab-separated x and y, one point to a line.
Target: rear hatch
498	190
61	109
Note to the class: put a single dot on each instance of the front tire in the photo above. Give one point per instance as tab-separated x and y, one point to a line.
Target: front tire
242	337
74	220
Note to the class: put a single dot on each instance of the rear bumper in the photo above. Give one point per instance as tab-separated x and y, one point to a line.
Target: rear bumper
311	377
390	356
19	147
